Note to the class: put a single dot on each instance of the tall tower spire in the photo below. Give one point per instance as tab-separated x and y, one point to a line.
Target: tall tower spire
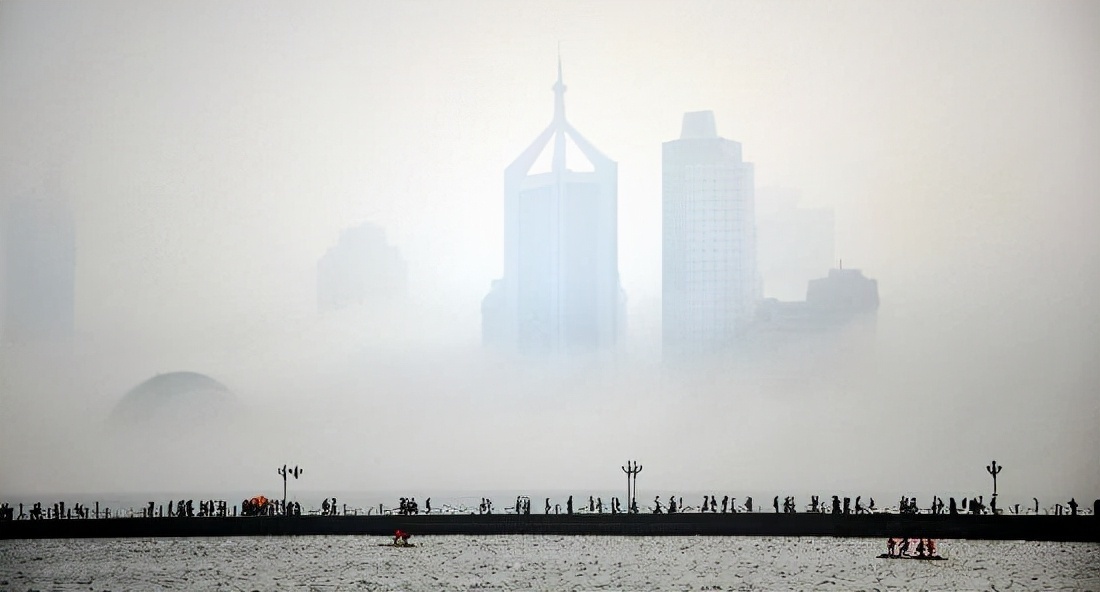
559	94
559	119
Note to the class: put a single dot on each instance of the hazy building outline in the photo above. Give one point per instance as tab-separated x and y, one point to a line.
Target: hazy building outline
831	302
709	282
560	292
362	268
39	251
795	243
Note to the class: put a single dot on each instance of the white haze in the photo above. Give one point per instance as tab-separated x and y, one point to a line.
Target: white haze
212	151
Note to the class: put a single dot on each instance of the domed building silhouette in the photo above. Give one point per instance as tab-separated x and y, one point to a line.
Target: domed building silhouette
182	395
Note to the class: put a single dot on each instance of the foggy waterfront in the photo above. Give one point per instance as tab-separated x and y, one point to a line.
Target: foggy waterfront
801	248
539	563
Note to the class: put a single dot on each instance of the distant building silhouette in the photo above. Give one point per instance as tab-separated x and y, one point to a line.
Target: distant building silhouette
39	251
710	283
831	302
794	244
361	268
560	292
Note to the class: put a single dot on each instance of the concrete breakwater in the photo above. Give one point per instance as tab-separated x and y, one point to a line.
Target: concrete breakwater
990	527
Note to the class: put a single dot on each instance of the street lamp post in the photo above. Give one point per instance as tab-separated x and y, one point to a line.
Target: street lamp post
284	472
631	469
994	469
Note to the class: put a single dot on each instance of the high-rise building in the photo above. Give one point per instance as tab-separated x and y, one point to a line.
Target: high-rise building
832	302
794	243
560	292
709	280
39	250
360	269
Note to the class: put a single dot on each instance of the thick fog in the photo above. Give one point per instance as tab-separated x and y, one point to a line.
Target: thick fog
211	153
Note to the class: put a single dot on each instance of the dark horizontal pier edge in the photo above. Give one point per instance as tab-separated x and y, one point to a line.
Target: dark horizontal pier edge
942	526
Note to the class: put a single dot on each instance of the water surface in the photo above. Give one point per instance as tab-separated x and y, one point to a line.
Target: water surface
538	563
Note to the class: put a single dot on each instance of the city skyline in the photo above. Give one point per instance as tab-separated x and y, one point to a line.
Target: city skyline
549	151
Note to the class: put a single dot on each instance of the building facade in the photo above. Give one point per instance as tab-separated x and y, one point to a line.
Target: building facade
560	292
710	283
39	252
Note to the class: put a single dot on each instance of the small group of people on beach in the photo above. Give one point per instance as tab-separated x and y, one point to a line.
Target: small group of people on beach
401	538
329	509
408	506
729	504
904	547
37	512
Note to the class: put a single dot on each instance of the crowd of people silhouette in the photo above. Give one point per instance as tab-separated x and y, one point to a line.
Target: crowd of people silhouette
261	506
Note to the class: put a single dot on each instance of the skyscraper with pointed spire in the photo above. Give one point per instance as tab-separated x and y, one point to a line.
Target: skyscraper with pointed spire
560	292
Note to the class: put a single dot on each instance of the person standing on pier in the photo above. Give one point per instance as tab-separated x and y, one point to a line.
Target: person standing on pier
1072	506
748	504
713	504
547	505
599	505
725	503
671	505
428	506
706	502
657	504
775	504
569	505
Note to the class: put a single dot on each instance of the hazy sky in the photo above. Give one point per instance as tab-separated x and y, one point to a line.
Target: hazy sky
212	151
